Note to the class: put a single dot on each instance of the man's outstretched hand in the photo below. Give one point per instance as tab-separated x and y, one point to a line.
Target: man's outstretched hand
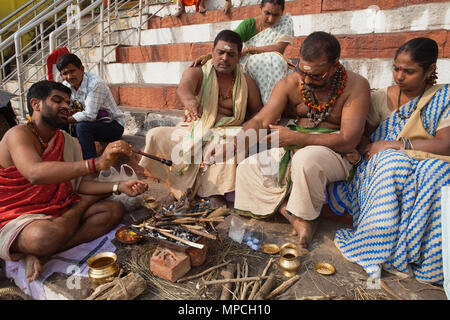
133	188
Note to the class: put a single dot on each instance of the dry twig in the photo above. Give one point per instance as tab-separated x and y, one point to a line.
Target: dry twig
257	284
266	287
203	272
234	280
226	289
285	285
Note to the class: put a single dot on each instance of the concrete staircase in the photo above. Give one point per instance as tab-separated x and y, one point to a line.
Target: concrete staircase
143	77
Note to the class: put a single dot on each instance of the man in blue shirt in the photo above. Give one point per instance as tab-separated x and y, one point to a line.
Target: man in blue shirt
98	118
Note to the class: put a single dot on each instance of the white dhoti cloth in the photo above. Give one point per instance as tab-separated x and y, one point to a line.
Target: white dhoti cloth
311	168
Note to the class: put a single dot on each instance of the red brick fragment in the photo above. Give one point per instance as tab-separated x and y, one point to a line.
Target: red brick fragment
169	264
198	256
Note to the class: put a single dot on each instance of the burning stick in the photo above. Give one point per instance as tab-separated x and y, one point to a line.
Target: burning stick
145	225
189	243
198	232
191	220
166	233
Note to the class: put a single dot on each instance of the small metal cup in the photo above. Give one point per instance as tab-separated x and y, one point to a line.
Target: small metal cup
103	268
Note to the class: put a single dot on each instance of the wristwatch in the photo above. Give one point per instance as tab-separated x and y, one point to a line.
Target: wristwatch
115	189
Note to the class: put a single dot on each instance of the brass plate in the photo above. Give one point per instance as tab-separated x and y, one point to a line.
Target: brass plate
324	268
127	236
270	248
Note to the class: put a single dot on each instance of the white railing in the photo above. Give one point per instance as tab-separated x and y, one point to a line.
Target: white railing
30	58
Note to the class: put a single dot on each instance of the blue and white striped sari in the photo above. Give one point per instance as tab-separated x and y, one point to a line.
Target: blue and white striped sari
395	203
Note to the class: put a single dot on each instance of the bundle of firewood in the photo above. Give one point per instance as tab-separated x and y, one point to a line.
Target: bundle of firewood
245	287
121	288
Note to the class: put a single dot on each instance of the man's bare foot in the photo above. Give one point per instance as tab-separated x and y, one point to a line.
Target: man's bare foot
302	228
33	267
305	231
217	201
226	8
168	199
201	9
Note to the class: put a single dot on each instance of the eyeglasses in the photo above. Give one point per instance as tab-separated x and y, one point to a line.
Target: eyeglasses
316	77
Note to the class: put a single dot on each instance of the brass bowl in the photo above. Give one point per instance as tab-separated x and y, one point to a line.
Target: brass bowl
103	268
270	248
150	203
324	268
126	236
289	261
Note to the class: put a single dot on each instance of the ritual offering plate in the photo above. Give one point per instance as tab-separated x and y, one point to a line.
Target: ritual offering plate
270	248
127	236
324	268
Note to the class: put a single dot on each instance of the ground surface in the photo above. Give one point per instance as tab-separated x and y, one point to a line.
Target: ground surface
348	282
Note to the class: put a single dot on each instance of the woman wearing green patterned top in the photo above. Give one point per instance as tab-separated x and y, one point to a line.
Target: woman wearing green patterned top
265	38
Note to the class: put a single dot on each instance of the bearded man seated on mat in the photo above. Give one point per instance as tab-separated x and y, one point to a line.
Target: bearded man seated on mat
45	205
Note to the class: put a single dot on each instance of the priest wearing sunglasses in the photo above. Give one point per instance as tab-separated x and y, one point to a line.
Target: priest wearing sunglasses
328	106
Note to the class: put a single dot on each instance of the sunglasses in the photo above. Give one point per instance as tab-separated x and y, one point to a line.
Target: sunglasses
316	77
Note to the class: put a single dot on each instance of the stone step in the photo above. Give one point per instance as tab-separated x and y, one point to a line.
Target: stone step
352	46
152	96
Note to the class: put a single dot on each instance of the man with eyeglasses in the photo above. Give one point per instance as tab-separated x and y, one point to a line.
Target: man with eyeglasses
329	105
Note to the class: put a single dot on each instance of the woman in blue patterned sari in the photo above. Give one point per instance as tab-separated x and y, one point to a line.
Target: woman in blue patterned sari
394	197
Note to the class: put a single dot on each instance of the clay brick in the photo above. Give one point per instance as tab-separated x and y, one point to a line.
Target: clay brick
198	256
169	264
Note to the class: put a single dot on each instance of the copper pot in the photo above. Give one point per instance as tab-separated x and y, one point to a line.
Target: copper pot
103	268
